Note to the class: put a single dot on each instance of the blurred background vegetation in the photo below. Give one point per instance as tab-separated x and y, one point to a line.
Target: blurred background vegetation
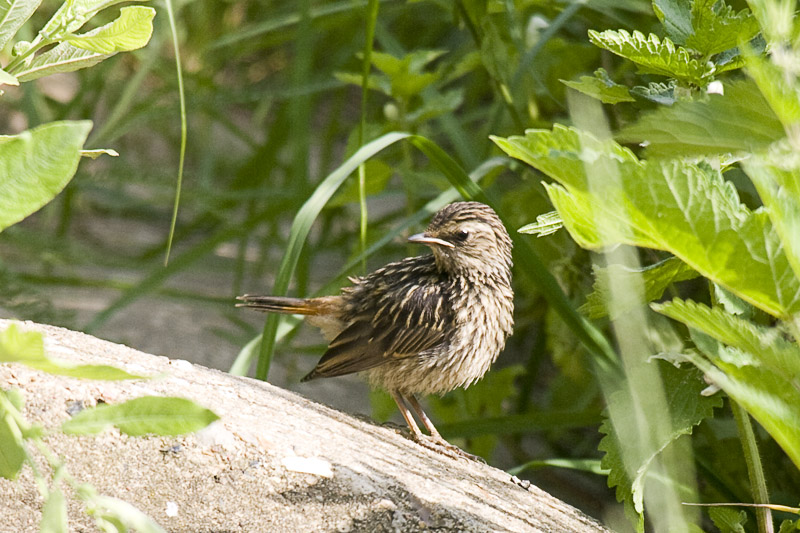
274	104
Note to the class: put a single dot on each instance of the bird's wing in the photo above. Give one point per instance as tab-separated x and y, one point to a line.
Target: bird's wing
400	321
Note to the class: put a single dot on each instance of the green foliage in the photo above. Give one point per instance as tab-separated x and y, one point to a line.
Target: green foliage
600	86
140	416
728	520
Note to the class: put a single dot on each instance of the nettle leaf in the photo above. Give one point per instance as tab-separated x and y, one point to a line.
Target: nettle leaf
131	31
728	520
655	278
600	86
738	120
13	14
676	16
770	397
717	27
546	224
148	414
688	210
629	459
35	165
768	346
653	55
777	179
660	93
782	93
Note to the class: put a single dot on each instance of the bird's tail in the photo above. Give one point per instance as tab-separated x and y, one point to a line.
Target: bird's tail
291	306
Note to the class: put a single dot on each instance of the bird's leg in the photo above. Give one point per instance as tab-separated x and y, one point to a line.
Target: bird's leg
435	442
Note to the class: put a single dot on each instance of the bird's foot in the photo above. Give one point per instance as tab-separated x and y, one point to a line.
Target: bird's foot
439	445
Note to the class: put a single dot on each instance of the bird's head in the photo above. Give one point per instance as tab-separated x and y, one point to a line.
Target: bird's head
468	238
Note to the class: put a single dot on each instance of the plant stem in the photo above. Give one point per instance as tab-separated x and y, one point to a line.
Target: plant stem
758	484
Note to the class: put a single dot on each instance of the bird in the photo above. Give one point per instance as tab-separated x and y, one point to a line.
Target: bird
423	325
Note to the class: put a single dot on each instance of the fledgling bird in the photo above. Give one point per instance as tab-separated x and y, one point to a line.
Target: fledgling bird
423	325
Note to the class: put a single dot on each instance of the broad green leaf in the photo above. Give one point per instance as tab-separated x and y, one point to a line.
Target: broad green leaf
12	450
148	414
660	93
7	79
687	408
131	31
75	13
768	346
688	210
777	179
676	16
717	27
781	90
600	86
655	278
654	55
27	347
771	398
35	165
739	120
121	515
13	14
546	224
54	512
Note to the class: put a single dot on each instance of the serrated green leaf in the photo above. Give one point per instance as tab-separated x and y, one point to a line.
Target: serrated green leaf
655	278
728	520
687	408
653	55
545	224
54	513
688	210
35	165
777	179
767	346
660	93
12	450
717	27
131	31
600	86
676	16
769	397
148	414
13	14
738	120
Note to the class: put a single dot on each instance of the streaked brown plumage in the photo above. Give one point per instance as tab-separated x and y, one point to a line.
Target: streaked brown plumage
423	325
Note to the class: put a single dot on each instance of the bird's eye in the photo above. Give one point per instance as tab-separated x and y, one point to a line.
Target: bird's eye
461	235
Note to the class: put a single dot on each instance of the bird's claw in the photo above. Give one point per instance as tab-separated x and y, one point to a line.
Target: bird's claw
439	445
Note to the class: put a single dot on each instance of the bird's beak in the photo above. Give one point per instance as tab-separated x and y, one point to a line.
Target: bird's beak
423	238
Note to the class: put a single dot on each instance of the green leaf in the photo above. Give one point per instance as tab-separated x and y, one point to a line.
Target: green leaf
768	346
74	14
54	513
405	74
131	31
148	414
546	224
716	27
600	86
12	449
7	79
688	210
654	55
660	93
120	515
13	14
63	58
739	120
655	278
27	347
777	179
35	165
584	465
676	16
728	520
94	154
629	465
